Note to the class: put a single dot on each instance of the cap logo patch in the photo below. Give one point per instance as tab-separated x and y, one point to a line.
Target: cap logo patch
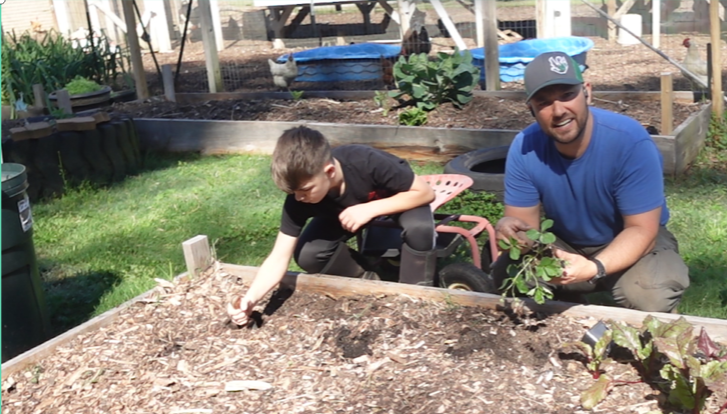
558	64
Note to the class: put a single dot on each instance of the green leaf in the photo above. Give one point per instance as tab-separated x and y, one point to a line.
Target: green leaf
627	337
504	245
670	348
547	238
546	224
579	346
596	392
514	253
533	234
602	344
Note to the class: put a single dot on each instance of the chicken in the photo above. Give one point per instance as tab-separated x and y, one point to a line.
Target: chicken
283	73
36	26
416	40
694	63
387	72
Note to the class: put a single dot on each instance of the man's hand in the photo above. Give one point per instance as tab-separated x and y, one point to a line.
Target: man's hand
240	312
511	227
354	217
577	268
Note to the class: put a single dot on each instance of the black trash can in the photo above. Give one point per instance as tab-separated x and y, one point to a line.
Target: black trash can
25	322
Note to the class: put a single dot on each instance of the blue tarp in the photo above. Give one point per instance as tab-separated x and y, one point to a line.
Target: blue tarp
355	51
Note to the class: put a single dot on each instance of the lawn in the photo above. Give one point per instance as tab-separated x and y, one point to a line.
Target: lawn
100	247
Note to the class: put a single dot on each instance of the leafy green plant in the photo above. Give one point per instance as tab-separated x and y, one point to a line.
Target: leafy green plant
297	95
81	85
476	203
687	364
717	134
597	359
448	78
381	99
53	61
413	117
537	266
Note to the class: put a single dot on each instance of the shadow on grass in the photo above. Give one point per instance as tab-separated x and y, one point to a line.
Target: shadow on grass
73	300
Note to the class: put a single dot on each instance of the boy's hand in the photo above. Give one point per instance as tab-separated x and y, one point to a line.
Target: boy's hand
354	217
240	310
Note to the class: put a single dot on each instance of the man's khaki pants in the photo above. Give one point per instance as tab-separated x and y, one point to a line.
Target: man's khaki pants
655	283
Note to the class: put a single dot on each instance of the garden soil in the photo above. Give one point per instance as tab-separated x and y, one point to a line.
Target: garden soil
177	353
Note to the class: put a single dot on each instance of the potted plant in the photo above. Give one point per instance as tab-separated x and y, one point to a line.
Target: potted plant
85	94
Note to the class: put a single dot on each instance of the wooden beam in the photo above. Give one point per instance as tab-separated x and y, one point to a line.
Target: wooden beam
340	286
625	7
390	11
168	81
451	28
197	255
656	23
714	27
212	60
39	96
406	10
479	23
492	48
667	102
32	356
137	65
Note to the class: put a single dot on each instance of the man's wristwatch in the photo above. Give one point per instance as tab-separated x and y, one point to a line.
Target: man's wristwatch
601	271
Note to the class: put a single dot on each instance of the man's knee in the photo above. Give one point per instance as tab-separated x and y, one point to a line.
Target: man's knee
655	283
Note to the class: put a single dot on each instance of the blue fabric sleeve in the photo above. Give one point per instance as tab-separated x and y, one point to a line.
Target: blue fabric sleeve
640	185
519	188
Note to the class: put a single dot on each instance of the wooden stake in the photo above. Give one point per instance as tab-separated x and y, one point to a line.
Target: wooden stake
132	39
64	101
39	95
667	100
197	254
168	80
492	52
714	24
212	60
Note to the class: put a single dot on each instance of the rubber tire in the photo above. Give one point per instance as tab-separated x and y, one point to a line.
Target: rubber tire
47	162
127	149
112	149
134	139
101	167
492	182
466	276
75	165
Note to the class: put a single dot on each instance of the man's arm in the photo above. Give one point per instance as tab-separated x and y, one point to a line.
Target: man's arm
633	242
419	194
271	272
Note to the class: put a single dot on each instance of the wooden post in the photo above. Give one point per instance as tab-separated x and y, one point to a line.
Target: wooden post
217	24
39	96
197	255
611	10
168	80
492	52
64	101
540	18
406	8
132	39
212	60
656	23
714	25
480	24
667	101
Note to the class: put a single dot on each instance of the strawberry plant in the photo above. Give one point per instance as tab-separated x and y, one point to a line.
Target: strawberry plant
537	265
597	359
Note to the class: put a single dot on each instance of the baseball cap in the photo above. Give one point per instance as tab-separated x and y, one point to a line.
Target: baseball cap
551	68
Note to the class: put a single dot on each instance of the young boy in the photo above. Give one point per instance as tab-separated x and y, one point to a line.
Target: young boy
341	190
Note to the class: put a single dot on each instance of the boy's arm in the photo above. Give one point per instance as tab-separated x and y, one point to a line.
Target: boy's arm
271	272
419	194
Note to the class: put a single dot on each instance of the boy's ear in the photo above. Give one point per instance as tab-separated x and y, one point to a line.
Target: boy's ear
330	169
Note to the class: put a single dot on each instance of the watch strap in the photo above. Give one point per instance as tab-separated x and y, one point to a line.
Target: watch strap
601	270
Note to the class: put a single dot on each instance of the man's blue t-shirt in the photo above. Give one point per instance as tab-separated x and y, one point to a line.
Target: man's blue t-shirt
619	174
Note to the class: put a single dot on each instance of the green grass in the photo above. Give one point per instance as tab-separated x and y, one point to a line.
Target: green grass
100	247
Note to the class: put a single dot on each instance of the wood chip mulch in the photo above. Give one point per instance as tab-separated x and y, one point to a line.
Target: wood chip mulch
176	352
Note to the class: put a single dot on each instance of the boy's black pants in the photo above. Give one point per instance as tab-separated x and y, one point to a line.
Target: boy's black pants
322	246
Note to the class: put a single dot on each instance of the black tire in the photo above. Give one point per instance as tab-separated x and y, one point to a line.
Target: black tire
485	166
127	149
101	167
76	168
47	163
134	139
466	276
112	149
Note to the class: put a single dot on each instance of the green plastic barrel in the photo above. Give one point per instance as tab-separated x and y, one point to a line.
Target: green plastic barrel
25	321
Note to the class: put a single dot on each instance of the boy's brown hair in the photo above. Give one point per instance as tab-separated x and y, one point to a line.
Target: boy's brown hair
299	154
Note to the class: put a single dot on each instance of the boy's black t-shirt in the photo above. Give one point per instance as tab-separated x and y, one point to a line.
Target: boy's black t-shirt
370	174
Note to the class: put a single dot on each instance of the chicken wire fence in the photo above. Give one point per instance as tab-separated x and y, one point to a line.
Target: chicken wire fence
250	38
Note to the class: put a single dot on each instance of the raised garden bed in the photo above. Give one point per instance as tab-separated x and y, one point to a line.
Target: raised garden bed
325	344
232	123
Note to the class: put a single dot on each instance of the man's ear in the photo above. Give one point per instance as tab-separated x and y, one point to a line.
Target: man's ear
587	93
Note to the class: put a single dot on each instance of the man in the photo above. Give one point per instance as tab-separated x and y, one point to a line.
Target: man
598	175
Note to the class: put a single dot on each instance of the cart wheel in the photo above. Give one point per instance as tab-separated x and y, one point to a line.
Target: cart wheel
466	276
